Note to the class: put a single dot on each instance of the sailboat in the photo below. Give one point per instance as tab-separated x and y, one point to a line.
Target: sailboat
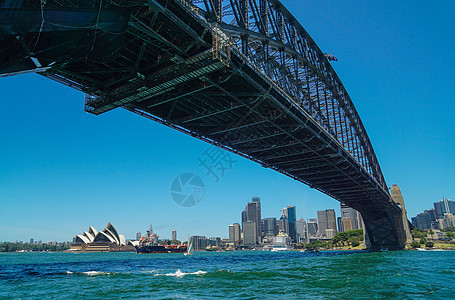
189	250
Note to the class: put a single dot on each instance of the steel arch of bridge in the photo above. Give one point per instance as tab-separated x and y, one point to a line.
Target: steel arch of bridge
243	75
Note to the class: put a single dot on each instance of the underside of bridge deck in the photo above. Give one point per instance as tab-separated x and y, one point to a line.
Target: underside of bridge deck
182	66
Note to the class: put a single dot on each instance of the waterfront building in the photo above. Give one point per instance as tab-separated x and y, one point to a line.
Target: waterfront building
270	228
330	233
138	236
234	234
174	235
290	216
312	227
301	231
199	242
422	221
32	241
447	221
249	233
348	224
106	240
445	206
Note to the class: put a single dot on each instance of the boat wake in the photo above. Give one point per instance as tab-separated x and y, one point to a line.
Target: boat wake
179	273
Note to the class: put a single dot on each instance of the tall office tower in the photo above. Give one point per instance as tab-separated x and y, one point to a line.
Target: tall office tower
138	236
174	235
234	234
32	241
252	212
348	212
447	221
282	224
312	227
270	228
348	224
249	233
331	219
326	220
291	230
258	220
301	231
445	206
322	222
340	224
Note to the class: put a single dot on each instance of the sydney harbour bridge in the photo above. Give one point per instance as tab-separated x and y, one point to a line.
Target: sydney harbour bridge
243	75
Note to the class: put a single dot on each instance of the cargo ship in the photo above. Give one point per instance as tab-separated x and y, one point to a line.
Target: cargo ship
150	243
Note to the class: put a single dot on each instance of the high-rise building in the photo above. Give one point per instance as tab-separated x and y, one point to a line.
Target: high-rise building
326	220
289	215
340	224
447	221
422	220
32	241
249	233
348	224
199	242
445	206
174	235
138	236
252	212
322	222
312	227
349	212
270	228
234	234
301	231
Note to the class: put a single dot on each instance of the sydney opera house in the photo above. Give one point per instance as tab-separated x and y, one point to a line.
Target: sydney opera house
107	239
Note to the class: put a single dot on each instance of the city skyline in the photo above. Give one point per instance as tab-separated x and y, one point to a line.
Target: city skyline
59	164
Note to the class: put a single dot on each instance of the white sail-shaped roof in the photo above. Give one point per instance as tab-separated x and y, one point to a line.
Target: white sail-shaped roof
82	239
89	236
102	237
92	231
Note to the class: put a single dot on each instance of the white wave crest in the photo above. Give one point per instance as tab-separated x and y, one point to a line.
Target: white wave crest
179	273
94	273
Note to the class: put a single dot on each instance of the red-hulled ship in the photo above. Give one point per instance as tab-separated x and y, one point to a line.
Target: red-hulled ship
150	243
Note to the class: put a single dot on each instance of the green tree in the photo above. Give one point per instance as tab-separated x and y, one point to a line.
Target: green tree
450	235
429	244
415	244
423	240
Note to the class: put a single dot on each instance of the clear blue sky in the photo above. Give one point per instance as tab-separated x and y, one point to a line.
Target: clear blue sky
62	169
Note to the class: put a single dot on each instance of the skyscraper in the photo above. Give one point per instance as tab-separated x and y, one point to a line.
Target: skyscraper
322	222
349	212
249	233
234	233
138	236
445	206
312	227
270	227
326	220
174	235
252	212
291	230
301	231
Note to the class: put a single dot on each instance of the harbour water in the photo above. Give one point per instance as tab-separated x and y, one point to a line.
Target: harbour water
239	274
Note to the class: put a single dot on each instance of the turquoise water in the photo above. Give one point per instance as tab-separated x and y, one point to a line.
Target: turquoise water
240	275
